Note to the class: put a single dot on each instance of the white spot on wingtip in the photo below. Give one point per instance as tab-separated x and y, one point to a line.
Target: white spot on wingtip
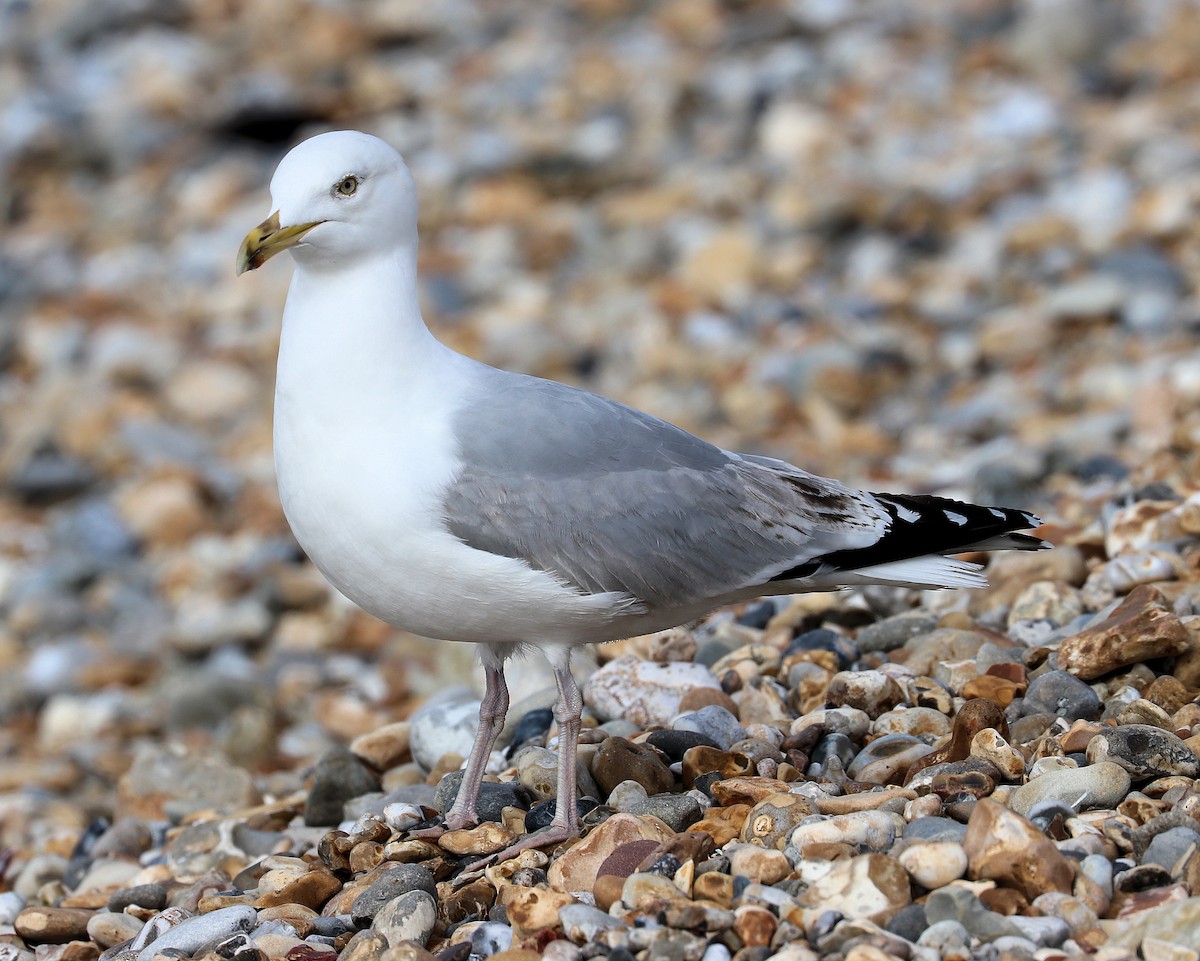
955	518
996	512
907	514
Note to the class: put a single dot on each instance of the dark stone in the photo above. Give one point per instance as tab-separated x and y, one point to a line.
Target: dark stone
493	797
934	828
532	727
540	815
758	615
340	776
619	759
705	782
834	745
908	922
674	744
680	811
1063	694
1145	752
824	639
151	896
401	879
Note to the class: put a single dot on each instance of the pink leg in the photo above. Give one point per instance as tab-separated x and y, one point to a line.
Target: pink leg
567	713
464	811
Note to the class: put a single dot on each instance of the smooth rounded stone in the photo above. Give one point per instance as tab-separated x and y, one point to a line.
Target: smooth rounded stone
541	815
1100	785
834	746
41	924
676	743
925	651
384	747
1173	848
757	864
398	881
619	759
720	726
1061	694
445	724
1003	846
152	896
935	828
870	886
1144	626
625	794
679	811
773	819
533	726
869	830
494	796
490	937
822	639
944	937
537	771
990	746
576	869
108	929
583	923
959	904
1042	608
410	917
758	750
339	777
165	782
1144	751
895	631
908	923
643	891
643	692
934	864
1046	932
1077	915
191	934
871	692
886	759
11	904
849	721
920	722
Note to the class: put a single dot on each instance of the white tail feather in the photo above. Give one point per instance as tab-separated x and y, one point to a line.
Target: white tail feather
929	571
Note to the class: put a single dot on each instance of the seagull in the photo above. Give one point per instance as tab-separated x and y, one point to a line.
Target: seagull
467	503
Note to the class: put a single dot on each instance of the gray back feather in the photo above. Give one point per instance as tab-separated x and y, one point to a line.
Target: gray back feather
612	499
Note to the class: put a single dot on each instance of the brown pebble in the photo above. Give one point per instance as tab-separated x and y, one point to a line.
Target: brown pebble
755	925
1006	901
746	790
772	820
1141	628
974	716
713	886
469	901
1002	690
698	697
531	910
487	838
46	925
607	890
723	823
619	759
703	759
311	889
1004	847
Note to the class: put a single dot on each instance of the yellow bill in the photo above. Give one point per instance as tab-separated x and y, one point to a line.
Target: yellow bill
268	239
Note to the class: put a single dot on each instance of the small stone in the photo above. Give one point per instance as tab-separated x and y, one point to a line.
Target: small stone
619	760
870	886
397	880
720	727
163	778
583	923
757	864
675	743
755	925
107	928
339	777
151	896
895	631
531	911
445	724
486	838
887	759
772	820
723	824
39	924
1143	627
1144	751
191	934
990	746
410	917
576	869
648	893
1005	847
310	888
385	747
962	905
537	771
1062	694
494	796
975	715
934	864
643	692
871	692
701	760
1100	785
679	811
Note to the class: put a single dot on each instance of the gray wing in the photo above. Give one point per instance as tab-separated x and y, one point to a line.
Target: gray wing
612	499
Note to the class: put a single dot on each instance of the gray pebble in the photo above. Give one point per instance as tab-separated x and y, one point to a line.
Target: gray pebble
1101	785
410	917
493	796
339	777
582	922
679	811
491	937
11	904
402	879
893	632
1144	751
445	724
194	933
959	904
1172	849
1063	694
714	722
934	828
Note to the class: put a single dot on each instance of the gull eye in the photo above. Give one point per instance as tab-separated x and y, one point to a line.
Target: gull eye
347	186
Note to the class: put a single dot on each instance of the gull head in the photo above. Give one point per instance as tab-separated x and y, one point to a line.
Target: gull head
336	199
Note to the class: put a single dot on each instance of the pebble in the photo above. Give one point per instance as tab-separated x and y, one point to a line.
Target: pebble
409	917
1100	785
339	777
192	933
643	692
445	724
1144	751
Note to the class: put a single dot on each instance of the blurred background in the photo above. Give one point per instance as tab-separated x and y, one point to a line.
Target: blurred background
920	246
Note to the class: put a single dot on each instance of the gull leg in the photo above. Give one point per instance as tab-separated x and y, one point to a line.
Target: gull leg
567	713
464	811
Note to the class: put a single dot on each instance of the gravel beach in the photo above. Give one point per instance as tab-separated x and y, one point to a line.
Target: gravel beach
917	246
